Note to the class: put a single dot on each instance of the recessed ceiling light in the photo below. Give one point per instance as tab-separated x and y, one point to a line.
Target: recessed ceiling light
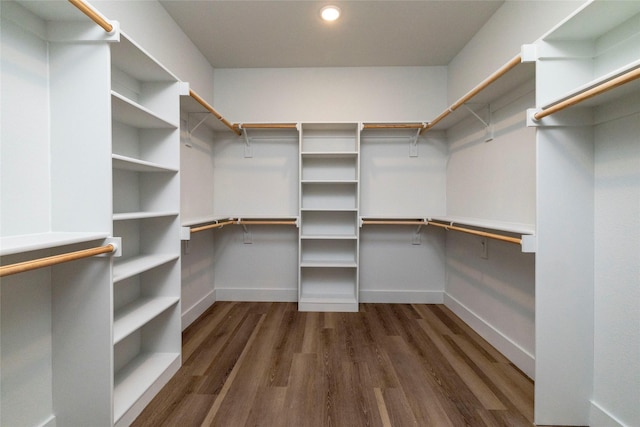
330	13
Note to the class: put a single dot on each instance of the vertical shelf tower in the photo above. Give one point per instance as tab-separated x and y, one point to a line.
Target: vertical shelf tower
146	195
329	200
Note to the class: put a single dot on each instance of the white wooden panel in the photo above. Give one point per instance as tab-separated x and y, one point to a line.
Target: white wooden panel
564	276
617	268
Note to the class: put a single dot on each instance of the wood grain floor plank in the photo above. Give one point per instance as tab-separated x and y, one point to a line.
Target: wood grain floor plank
477	386
389	365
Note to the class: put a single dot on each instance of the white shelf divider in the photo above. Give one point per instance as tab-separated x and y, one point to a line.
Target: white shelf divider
128	267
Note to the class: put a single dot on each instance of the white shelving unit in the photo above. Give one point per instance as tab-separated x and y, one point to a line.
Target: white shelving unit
577	203
329	200
55	180
146	204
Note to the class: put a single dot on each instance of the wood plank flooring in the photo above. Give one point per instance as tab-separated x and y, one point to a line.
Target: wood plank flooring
266	364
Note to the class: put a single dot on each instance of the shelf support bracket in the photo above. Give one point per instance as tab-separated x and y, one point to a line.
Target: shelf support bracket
488	126
413	142
248	151
189	129
417	237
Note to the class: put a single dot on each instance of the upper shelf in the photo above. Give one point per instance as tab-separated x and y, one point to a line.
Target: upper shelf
137	63
32	242
593	20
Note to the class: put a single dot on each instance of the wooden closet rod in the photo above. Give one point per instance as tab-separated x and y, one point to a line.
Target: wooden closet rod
232	221
266	222
21	267
597	90
393	222
92	14
393	125
265	125
477	233
473	92
218	116
211	226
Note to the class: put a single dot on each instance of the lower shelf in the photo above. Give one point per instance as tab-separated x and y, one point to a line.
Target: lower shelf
138	376
133	316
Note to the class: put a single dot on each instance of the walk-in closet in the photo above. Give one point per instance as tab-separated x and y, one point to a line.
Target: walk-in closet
141	184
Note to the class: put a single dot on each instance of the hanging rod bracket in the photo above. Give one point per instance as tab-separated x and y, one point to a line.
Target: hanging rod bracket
116	242
185	233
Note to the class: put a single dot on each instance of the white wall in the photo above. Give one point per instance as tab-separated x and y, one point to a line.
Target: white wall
149	25
514	24
494	181
617	267
383	94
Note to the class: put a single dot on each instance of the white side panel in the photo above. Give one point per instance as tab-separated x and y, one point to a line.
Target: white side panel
81	137
564	276
617	269
197	275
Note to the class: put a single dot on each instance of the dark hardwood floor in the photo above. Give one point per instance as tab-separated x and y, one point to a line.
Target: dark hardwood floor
266	364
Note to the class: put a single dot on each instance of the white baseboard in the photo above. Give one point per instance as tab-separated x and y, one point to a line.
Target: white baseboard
524	360
600	417
401	297
257	295
196	310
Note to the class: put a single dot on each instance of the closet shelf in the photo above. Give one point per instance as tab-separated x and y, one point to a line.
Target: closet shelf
124	268
132	164
328	264
131	113
329	237
329	181
123	216
132	59
328	209
329	154
508	227
137	314
134	379
37	241
204	220
327	298
617	92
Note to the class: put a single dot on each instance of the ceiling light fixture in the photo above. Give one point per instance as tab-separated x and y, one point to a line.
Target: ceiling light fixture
330	13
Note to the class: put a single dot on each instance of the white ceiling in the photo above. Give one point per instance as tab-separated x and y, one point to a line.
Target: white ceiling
284	33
